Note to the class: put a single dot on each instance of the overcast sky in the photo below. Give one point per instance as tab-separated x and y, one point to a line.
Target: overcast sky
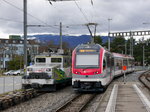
126	15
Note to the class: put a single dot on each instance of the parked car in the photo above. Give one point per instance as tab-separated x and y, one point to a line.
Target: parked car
18	72
10	72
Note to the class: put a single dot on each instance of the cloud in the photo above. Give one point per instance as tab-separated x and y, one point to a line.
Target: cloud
126	15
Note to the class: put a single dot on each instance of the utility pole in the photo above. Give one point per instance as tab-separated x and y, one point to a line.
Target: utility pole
143	55
125	48
109	33
25	35
60	35
143	52
130	43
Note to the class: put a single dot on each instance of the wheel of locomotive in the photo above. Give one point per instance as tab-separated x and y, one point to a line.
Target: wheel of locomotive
54	87
26	86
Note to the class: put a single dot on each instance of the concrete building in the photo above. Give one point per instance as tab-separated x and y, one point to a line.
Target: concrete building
9	48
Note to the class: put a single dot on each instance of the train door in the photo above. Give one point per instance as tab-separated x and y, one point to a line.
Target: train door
112	66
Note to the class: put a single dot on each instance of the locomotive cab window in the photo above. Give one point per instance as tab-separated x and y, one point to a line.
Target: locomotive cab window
40	60
56	60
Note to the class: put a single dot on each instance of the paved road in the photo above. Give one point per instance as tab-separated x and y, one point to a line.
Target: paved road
10	83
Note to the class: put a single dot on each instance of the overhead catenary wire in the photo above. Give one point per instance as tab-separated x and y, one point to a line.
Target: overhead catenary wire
84	15
44	23
5	19
28	14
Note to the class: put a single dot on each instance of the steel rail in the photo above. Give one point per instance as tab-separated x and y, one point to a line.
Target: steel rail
148	77
142	78
77	104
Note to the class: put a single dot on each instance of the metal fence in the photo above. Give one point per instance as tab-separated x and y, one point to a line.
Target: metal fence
8	84
141	68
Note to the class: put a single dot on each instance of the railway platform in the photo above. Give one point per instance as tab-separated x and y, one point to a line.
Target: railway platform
125	97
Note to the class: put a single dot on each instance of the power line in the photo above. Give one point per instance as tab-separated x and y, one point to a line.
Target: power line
5	19
27	13
81	11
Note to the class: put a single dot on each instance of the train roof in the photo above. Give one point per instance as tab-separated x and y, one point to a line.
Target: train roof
122	55
84	46
42	65
50	55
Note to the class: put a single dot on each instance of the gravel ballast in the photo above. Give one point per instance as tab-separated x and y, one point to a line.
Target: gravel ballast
47	101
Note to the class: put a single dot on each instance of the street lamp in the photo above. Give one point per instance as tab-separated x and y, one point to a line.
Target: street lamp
109	19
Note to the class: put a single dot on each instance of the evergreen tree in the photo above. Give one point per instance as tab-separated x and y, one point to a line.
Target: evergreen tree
97	40
118	45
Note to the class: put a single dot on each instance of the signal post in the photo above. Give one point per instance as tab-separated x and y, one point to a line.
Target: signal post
124	68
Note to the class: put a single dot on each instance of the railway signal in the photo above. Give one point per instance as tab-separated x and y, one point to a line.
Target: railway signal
124	68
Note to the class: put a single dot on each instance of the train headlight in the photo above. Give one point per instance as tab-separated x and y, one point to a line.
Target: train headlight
48	69
77	72
29	69
96	72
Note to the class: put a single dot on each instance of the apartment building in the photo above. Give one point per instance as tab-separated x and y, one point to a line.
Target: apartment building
9	48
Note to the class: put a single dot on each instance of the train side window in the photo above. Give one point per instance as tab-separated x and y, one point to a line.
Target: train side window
40	60
104	64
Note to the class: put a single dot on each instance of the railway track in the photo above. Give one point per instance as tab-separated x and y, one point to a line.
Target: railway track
148	78
16	97
77	104
145	79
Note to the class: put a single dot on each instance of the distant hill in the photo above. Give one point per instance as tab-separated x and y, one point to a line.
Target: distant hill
73	41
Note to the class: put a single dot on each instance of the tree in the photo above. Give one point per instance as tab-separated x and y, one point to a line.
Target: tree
98	40
138	52
16	63
118	45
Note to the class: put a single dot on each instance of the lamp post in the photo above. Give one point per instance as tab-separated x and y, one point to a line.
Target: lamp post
143	52
109	19
125	47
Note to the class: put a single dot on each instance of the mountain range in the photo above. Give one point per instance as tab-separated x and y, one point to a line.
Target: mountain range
73	41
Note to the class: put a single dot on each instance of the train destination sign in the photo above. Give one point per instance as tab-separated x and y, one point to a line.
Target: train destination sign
87	50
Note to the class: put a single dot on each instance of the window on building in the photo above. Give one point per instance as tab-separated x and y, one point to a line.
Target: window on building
14	41
6	41
21	42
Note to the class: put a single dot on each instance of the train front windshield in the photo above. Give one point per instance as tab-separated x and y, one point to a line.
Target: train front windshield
87	61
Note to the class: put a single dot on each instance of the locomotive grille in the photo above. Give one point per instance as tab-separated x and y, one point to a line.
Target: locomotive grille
38	76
